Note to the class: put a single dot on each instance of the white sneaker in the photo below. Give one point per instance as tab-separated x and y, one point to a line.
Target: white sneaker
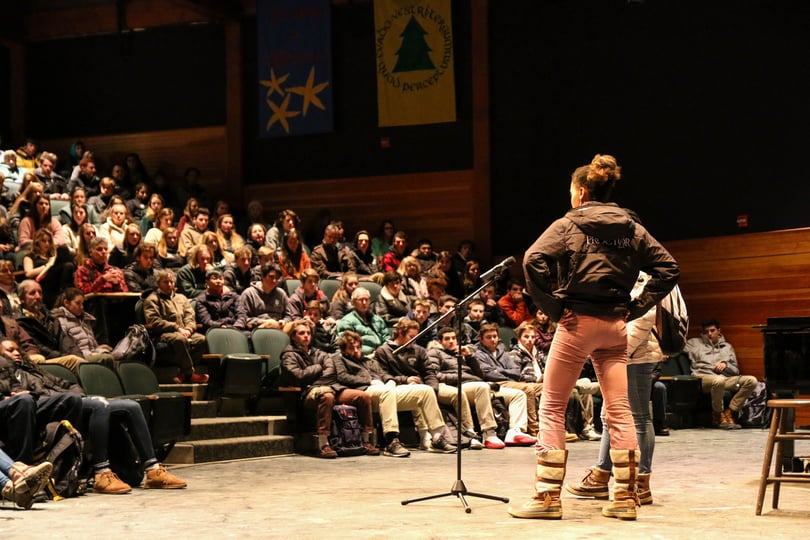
476	444
425	440
590	434
515	437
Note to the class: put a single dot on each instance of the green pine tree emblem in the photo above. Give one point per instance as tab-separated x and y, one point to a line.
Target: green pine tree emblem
413	54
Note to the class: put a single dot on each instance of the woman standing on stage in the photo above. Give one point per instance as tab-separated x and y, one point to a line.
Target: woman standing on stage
580	272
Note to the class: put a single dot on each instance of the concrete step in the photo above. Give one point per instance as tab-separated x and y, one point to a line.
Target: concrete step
204	451
247	426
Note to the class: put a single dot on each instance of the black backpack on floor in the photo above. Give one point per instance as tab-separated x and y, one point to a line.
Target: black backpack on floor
347	436
63	447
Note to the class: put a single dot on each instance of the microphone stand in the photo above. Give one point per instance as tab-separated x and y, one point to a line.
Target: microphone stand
459	489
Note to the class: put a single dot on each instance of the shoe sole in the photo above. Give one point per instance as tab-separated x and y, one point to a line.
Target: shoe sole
531	515
391	454
441	450
588	495
165	487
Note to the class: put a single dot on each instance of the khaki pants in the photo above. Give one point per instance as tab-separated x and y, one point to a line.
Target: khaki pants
418	398
533	392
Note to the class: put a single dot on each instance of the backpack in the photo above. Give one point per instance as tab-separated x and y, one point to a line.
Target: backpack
125	461
755	411
453	426
347	437
501	414
136	345
671	323
63	446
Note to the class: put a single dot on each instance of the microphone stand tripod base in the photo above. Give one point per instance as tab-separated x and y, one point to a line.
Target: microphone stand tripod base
459	490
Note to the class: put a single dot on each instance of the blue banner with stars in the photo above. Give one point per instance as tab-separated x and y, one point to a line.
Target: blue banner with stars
295	67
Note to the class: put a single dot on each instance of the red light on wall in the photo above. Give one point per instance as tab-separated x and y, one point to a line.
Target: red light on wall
385	142
742	221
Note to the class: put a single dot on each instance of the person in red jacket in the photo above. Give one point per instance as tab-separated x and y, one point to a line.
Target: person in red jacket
514	306
96	275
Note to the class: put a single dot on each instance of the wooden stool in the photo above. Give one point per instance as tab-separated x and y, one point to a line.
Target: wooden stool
776	437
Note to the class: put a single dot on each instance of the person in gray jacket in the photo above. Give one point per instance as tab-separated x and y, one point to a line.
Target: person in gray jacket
264	302
714	361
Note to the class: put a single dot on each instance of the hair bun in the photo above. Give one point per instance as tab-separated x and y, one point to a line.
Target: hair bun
604	168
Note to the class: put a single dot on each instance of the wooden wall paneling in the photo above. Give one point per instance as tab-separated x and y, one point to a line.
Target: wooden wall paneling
170	152
438	206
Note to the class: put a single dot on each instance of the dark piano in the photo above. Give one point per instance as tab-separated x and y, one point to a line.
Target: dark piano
786	342
787	355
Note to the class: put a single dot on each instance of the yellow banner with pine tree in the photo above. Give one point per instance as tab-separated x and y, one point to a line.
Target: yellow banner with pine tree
415	79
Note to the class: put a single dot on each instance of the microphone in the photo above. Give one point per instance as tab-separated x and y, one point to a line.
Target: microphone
498	269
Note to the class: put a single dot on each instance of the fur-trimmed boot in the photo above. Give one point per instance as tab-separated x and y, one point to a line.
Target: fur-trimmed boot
547	486
625	498
644	493
595	484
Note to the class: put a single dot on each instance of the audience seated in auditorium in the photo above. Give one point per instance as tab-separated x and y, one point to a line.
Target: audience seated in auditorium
96	275
341	302
168	250
165	219
218	308
52	267
39	217
391	304
240	273
54	183
443	364
292	258
510	372
361	320
328	258
191	277
425	255
122	254
229	239
324	336
285	222
265	303
381	243
35	329
87	178
141	274
359	372
714	361
304	294
314	371
97	204
170	319
219	258
514	306
28	377
150	216
192	234
136	206
399	247
73	327
364	261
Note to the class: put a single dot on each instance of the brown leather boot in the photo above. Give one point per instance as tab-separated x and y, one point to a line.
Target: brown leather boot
595	484
644	493
729	416
547	483
625	498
